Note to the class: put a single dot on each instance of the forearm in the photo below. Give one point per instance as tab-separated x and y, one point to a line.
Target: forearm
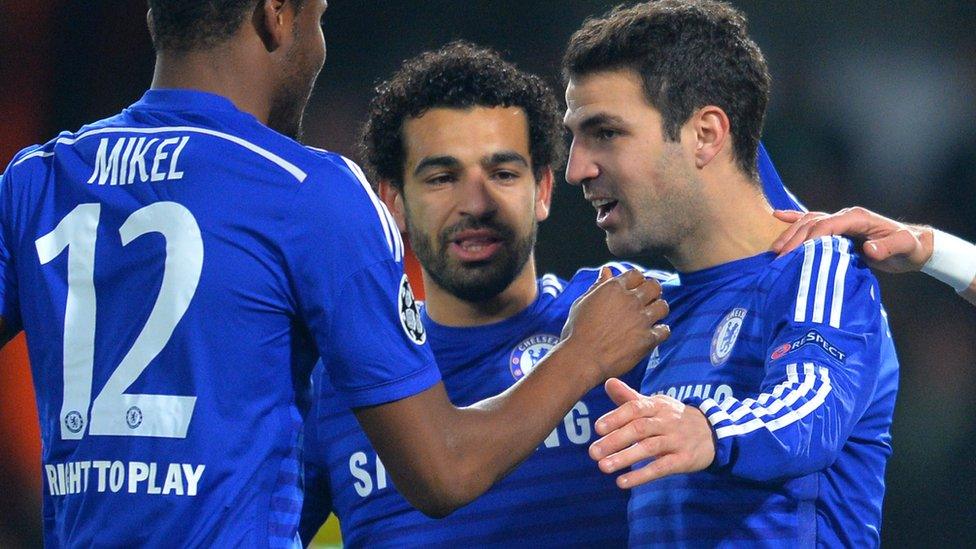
447	456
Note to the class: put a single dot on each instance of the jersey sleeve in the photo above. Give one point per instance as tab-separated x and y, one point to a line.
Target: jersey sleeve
824	332
344	256
317	503
9	297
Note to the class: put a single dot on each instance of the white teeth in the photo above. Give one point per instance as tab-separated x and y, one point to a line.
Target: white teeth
601	202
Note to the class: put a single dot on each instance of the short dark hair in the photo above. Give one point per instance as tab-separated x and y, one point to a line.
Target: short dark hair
187	25
459	75
689	54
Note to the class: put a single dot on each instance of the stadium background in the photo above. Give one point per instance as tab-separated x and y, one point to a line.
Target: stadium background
873	104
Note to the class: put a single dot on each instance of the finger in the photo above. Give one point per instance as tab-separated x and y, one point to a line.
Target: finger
789	216
661	467
623	414
901	242
648	291
787	235
631	279
656	311
660	333
619	392
640	429
646	448
801	234
605	274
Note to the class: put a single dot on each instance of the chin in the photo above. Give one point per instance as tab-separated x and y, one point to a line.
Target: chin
620	246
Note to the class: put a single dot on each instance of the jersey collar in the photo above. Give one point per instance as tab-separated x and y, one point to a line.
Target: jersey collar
735	268
184	100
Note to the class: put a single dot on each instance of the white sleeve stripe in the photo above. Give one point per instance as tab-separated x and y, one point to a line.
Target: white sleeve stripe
837	305
715	417
779	403
823	274
549	290
804	289
397	239
281	162
381	212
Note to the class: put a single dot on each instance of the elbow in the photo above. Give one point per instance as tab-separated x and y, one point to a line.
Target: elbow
444	491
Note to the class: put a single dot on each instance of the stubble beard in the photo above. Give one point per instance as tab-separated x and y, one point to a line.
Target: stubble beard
473	282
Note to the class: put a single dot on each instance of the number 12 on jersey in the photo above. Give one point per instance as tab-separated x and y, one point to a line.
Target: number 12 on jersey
114	412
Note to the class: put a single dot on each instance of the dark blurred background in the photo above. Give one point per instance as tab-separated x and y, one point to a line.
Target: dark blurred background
873	104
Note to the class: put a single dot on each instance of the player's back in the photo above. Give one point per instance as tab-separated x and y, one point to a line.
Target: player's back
149	256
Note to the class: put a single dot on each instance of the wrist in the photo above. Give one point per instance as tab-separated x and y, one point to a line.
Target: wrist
583	360
953	261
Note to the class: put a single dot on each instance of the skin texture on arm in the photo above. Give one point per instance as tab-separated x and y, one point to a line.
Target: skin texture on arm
889	245
442	457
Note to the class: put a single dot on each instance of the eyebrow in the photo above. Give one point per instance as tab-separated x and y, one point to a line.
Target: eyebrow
505	157
598	119
436	162
450	162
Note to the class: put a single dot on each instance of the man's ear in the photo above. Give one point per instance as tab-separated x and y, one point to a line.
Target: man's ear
393	198
274	21
151	24
543	195
712	133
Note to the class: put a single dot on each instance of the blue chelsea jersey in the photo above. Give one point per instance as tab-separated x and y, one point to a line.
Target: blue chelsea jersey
792	363
557	497
178	269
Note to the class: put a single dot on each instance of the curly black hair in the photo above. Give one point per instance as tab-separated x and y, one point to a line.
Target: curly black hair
459	75
689	54
187	25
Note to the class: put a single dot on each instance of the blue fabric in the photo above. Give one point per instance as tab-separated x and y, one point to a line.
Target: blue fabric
295	260
556	498
792	362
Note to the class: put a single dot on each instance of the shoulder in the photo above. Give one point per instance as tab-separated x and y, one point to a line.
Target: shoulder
586	276
818	279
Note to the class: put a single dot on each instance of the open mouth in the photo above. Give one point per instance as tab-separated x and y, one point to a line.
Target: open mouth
471	246
604	207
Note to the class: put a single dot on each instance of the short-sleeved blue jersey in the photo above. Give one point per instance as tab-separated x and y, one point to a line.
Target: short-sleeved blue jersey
178	269
792	362
556	498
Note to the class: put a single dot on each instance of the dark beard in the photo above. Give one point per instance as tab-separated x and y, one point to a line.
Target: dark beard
479	281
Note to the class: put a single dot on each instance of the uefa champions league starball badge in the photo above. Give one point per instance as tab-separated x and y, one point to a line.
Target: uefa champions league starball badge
727	333
529	353
409	309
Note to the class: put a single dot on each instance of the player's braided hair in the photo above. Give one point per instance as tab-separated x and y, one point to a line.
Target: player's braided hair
689	54
459	75
186	25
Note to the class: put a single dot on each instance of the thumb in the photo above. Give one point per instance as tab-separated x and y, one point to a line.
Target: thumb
900	242
619	392
605	275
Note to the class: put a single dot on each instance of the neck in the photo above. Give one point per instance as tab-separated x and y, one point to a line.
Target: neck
449	310
735	222
227	70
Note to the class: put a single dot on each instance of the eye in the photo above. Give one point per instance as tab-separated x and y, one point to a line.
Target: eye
506	175
440	179
606	134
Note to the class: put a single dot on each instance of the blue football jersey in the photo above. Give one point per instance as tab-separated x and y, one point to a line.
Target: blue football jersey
792	362
557	497
178	269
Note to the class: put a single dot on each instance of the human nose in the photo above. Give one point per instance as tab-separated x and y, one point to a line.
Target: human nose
580	166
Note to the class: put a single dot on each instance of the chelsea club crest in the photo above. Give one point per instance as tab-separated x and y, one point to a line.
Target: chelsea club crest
725	336
528	353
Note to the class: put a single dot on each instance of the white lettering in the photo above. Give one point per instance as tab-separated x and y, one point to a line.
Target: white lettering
106	165
174	480
124	162
577	424
52	480
173	173
380	474
138	472
152	487
364	486
192	475
552	441
116	476
160	156
101	467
